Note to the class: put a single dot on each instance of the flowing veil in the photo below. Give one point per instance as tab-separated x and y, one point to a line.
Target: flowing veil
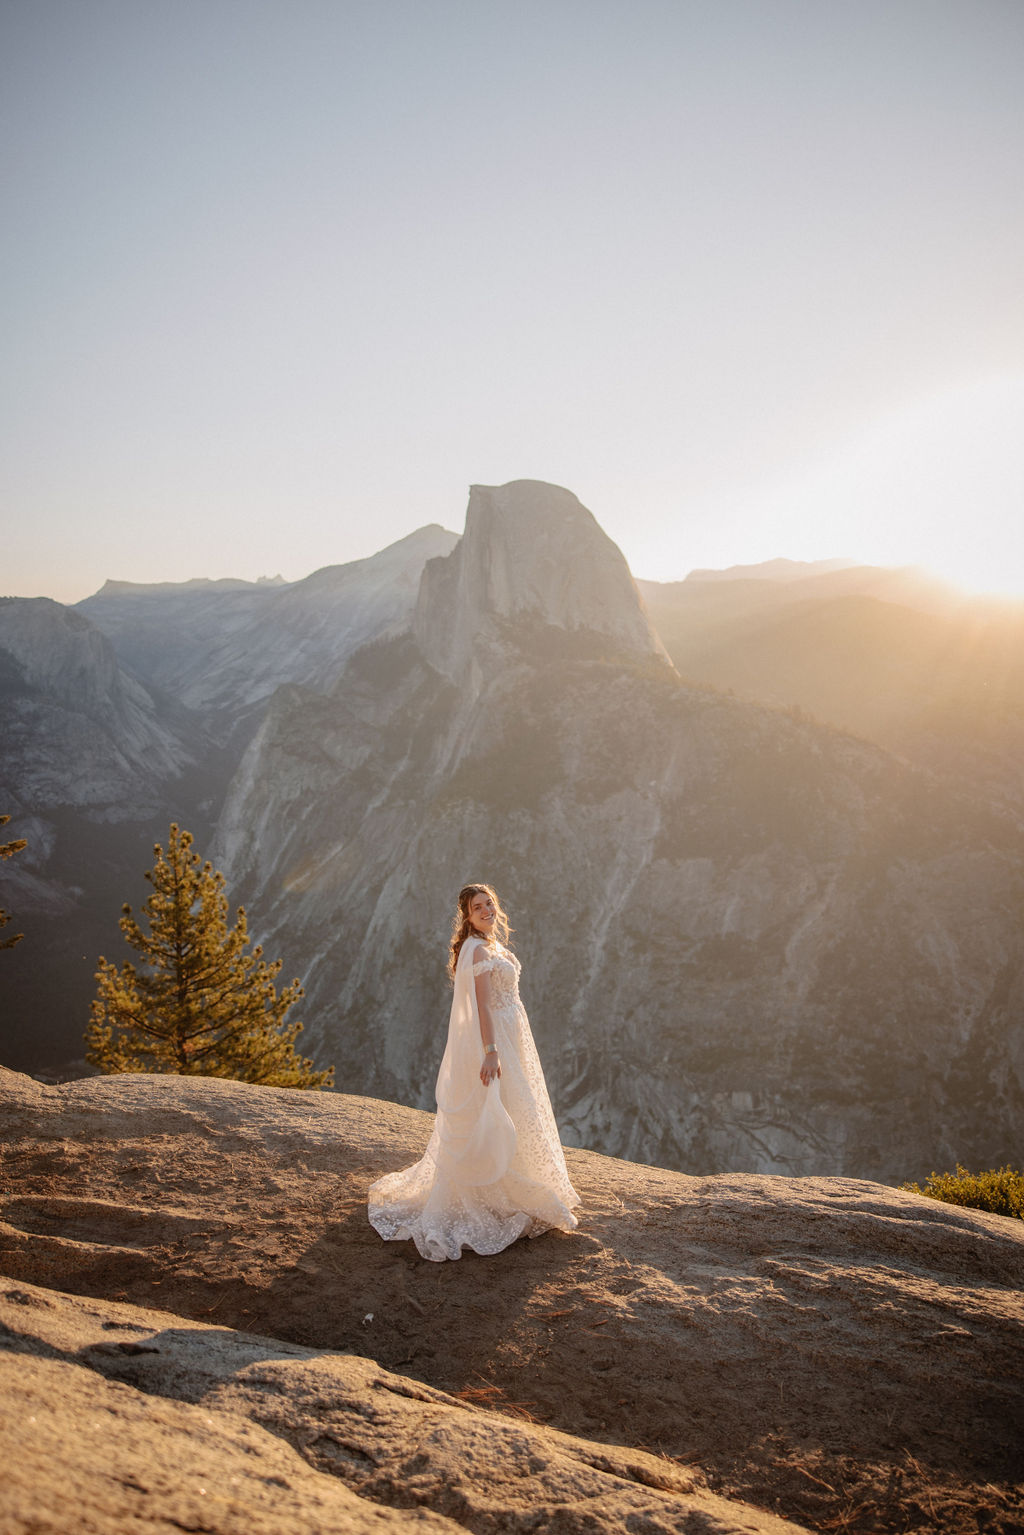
474	1139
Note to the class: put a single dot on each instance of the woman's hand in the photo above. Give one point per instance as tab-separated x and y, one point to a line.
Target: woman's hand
491	1068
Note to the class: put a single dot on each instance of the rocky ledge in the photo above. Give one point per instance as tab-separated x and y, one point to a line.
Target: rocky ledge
200	1330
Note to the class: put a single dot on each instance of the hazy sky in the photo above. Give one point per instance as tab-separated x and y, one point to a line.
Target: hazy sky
281	278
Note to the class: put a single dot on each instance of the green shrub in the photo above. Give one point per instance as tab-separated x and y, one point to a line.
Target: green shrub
1000	1191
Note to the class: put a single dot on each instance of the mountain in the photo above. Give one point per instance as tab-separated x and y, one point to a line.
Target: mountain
750	941
531	556
772	570
77	729
200	1330
710	605
888	655
222	647
130	711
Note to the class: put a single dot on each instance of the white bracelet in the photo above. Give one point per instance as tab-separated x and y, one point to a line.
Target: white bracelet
490	1049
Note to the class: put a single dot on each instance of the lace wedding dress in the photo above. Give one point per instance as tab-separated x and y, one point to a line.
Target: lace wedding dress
493	1169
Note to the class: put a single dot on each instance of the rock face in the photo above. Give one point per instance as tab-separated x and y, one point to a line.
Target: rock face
200	1427
200	1329
222	647
530	553
750	941
76	729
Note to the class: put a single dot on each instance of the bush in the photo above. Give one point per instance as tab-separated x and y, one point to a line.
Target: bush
1000	1191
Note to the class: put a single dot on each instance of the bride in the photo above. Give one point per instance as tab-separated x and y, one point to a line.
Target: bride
493	1169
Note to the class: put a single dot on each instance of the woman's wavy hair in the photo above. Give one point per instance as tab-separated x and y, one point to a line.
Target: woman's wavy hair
462	928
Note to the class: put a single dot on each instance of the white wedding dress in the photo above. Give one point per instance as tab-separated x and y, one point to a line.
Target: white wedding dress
493	1169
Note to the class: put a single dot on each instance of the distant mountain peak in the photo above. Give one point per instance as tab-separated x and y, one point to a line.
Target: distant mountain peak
429	542
773	570
205	584
529	549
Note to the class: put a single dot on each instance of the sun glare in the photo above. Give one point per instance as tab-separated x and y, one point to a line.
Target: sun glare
937	484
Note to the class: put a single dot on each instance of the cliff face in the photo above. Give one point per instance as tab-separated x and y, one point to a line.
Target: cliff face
530	554
749	941
76	729
222	648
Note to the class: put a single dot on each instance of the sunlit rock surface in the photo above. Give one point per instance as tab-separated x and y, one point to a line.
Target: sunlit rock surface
199	1327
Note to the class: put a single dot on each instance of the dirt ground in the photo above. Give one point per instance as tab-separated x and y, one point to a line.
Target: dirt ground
842	1354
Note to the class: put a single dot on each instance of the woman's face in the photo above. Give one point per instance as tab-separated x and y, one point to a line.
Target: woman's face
482	913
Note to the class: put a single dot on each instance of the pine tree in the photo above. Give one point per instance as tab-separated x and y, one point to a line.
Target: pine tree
6	851
201	1006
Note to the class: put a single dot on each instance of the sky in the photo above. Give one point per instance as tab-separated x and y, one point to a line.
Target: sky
282	278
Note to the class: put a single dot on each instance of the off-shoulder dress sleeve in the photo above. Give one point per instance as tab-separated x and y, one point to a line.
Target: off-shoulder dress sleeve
483	959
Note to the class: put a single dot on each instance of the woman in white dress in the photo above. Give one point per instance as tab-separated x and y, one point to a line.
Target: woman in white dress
493	1169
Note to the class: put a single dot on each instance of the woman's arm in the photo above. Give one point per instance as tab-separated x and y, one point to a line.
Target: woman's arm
491	1066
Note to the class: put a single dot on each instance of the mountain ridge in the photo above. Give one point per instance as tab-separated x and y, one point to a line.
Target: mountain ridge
777	569
223	650
938	682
